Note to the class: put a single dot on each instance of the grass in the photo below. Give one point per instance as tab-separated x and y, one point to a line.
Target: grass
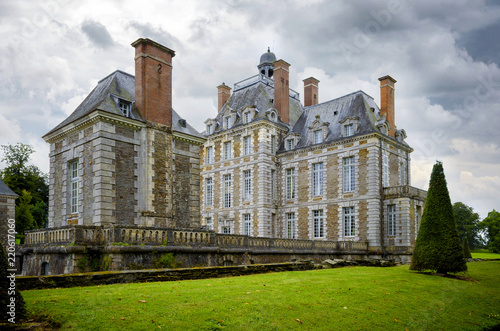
484	254
358	298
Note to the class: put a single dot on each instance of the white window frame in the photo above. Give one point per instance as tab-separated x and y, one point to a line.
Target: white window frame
226	229
318	224
210	154
317	179
74	181
247	224
349	222
227	122
247	185
228	187
349	174
209	129
227	150
349	130
290	144
290	183
273	144
247	145
318	136
290	225
391	220
247	117
209	191
209	221
385	169
125	107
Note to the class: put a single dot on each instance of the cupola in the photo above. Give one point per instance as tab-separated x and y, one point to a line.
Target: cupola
266	65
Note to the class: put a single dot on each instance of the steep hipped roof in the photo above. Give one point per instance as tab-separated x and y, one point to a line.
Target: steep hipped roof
357	105
106	95
5	190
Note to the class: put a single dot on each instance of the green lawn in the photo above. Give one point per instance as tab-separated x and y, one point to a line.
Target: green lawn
357	298
484	254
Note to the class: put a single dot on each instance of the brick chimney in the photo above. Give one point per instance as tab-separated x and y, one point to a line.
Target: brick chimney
387	101
224	92
153	81
310	91
281	89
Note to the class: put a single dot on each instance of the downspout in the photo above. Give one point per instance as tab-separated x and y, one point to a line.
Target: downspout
381	193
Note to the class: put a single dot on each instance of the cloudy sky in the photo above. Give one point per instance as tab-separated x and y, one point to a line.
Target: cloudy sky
445	56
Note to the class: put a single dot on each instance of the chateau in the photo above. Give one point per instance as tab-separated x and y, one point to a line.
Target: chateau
269	180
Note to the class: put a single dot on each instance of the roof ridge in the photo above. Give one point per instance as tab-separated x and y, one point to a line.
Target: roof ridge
114	73
341	97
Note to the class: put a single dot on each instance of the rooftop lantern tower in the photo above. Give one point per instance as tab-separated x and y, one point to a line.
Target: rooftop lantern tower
266	65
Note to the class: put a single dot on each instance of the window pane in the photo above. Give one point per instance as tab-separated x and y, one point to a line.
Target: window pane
318	223
317	179
349	222
349	174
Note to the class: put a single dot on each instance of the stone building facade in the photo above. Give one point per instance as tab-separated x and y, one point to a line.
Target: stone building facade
7	212
337	170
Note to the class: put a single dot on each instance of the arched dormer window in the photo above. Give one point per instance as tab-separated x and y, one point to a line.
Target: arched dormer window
318	131
350	126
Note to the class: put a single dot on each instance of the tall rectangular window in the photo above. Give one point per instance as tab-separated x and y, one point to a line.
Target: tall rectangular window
246	224
290	183
73	174
318	136
349	175
349	222
209	129
210	223
228	191
247	145
227	150
273	144
317	179
391	220
290	144
210	155
227	122
273	184
247	185
385	169
246	117
290	225
349	130
209	191
319	227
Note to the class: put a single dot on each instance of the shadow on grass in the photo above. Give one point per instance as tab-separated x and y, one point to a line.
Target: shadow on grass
33	322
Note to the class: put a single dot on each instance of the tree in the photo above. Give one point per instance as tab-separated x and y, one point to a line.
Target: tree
6	293
438	246
492	226
24	218
467	224
19	176
467	253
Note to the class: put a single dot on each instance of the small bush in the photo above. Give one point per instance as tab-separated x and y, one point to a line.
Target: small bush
167	260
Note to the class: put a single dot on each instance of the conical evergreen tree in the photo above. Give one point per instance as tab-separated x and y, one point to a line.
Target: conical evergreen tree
467	253
438	246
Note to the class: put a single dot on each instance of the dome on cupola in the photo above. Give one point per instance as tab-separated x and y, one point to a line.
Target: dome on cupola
266	65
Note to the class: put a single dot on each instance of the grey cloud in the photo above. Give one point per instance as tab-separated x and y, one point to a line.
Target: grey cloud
147	30
97	34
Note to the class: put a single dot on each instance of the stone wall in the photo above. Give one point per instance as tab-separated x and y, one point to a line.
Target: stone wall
7	211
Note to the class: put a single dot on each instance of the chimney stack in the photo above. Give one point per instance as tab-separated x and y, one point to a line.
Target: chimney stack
224	92
153	81
387	101
311	91
281	89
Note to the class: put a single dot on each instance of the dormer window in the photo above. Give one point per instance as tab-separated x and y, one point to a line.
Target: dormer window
227	122
210	129
246	117
125	107
318	136
348	130
290	144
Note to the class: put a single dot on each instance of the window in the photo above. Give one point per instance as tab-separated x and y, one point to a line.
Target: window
227	191
349	224
209	192
246	117
247	185
349	176
210	155
273	184
125	107
385	169
210	223
210	129
318	136
290	183
391	224
317	179
348	130
290	144
247	145
73	174
227	122
290	225
246	224
227	150
319	228
273	144
226	229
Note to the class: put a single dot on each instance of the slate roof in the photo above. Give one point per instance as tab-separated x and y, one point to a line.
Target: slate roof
5	190
257	91
105	96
